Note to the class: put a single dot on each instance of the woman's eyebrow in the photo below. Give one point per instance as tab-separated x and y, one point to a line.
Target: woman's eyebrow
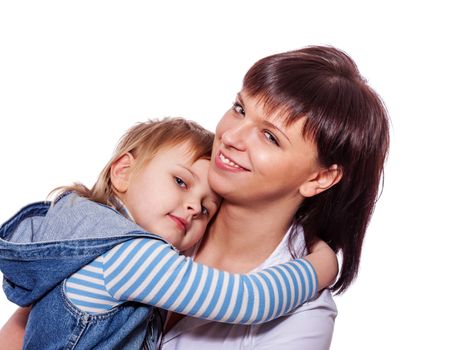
240	99
272	126
268	123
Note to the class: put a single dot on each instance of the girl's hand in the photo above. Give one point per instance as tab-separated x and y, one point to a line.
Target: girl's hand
324	260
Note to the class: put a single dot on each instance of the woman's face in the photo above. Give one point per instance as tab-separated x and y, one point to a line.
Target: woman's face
257	158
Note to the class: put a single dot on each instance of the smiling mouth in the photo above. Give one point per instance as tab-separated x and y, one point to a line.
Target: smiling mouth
229	162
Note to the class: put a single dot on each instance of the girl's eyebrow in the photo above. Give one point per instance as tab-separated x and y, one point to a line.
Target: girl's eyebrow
212	201
189	170
216	202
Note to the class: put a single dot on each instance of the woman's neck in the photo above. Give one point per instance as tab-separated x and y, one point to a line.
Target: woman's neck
241	238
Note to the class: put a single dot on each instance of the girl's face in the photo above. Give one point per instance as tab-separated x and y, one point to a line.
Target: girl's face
257	158
170	196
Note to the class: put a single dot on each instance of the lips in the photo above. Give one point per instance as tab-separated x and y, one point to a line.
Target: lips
226	163
180	222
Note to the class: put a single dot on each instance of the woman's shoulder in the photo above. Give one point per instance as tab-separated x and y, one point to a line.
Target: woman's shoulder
309	326
323	303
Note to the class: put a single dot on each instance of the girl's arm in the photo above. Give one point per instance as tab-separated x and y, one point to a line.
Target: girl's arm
12	333
150	272
324	260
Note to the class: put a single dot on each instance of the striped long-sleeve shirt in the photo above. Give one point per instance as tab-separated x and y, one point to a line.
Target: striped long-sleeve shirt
149	271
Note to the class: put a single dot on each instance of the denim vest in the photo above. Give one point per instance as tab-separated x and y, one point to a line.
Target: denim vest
44	244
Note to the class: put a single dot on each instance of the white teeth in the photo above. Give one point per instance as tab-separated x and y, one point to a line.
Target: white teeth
227	161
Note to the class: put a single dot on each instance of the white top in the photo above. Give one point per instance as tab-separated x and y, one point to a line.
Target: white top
310	326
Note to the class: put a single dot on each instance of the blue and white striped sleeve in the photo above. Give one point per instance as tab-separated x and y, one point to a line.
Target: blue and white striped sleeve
151	272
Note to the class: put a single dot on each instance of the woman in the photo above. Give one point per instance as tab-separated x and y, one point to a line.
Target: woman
298	158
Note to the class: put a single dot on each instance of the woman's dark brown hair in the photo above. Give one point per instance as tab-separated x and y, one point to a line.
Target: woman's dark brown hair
349	124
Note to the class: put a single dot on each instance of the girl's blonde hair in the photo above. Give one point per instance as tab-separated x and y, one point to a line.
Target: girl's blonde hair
143	141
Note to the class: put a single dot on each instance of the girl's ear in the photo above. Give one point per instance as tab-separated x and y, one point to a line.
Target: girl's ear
321	181
120	172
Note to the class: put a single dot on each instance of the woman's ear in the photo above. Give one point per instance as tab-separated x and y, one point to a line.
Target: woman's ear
321	181
120	172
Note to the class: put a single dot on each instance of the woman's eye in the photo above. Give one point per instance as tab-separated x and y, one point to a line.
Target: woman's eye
271	138
205	211
180	182
237	107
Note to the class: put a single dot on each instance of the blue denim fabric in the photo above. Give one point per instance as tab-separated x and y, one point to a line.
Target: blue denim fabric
44	244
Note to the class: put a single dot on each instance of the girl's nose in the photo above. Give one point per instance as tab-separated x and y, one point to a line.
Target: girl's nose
193	207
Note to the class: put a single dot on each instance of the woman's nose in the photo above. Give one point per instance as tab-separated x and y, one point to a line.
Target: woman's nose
236	136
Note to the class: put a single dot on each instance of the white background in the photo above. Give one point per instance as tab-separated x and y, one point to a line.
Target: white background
75	75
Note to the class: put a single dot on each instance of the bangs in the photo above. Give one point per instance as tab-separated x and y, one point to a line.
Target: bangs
194	151
198	150
169	133
331	101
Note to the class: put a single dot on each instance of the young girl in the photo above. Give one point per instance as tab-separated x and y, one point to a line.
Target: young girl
95	262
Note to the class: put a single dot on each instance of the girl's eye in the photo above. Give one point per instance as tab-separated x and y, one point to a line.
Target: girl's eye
205	211
237	108
271	138
180	182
